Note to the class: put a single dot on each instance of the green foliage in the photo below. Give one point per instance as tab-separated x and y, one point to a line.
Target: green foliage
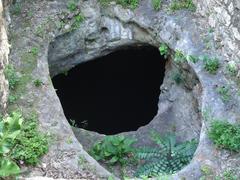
34	51
211	64
179	56
156	4
192	58
164	50
12	77
12	98
77	20
167	158
224	92
10	128
225	135
38	82
30	144
113	150
232	68
16	9
182	4
177	77
72	6
230	175
125	3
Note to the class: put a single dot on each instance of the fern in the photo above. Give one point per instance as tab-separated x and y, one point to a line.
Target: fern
167	158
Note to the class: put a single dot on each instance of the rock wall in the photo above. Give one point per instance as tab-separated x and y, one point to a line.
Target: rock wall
223	16
4	51
104	30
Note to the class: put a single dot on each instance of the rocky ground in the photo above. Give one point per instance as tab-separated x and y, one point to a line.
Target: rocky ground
49	28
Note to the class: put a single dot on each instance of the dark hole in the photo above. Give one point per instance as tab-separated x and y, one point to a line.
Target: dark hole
115	93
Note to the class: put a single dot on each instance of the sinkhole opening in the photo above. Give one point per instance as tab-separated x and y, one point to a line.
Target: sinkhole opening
115	93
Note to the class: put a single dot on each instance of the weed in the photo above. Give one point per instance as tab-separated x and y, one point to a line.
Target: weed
38	82
177	77
73	123
192	58
224	92
225	135
156	4
10	129
232	68
77	20
12	98
179	56
16	9
167	158
164	50
113	150
125	3
72	6
211	64
30	144
182	4
11	76
229	175
34	51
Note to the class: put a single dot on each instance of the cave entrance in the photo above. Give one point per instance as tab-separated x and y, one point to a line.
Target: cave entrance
115	93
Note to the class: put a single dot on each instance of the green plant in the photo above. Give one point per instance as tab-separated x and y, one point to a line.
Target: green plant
11	76
177	77
31	144
232	68
12	98
72	6
179	56
113	150
192	58
167	158
16	9
225	135
224	92
230	175
38	82
211	64
73	123
34	51
125	3
164	50
10	128
78	19
182	4
156	4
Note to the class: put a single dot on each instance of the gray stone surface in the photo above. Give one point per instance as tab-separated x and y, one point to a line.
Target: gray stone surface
106	29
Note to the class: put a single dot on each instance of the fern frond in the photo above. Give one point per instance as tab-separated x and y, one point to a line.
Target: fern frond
149	153
151	169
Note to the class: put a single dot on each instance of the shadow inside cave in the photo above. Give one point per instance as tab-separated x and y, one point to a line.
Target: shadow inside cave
115	93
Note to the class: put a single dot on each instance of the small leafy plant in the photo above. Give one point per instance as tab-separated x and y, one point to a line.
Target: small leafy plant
224	92
167	158
182	4
177	77
156	4
72	6
11	76
164	50
232	68
30	144
179	56
125	3
10	128
211	64
225	135
113	150
38	82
